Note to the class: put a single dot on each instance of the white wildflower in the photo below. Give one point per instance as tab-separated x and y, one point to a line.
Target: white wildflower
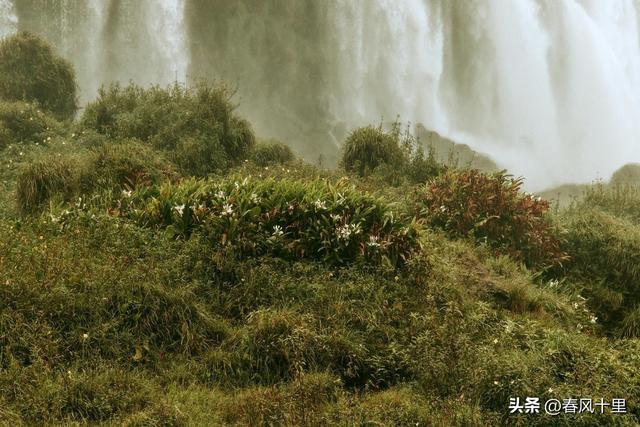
227	210
594	319
335	217
127	193
277	230
344	232
576	305
254	198
85	336
179	209
553	283
221	195
320	204
373	242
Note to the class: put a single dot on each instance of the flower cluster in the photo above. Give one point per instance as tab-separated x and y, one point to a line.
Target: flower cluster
290	219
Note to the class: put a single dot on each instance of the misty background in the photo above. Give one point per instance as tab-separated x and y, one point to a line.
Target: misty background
548	89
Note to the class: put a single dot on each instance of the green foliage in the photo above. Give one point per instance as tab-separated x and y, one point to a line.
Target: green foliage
492	209
605	258
22	123
627	175
395	156
197	157
287	218
42	179
125	164
30	71
195	121
271	152
621	201
369	147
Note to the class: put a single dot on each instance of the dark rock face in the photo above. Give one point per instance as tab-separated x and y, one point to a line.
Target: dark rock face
448	151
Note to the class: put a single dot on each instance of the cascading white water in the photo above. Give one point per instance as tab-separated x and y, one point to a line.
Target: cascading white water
8	18
549	88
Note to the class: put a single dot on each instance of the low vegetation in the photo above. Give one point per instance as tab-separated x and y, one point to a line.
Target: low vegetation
159	269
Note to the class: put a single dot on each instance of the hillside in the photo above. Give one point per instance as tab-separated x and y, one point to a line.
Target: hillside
160	265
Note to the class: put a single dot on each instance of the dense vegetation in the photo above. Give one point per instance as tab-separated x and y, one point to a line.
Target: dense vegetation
31	72
157	268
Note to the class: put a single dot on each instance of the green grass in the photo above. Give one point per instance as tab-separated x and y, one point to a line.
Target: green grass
156	271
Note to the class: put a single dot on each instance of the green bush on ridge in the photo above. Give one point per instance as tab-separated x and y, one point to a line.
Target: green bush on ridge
394	155
112	166
185	122
30	71
605	261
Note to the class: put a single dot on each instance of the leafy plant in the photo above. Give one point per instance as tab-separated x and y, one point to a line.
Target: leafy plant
492	209
290	219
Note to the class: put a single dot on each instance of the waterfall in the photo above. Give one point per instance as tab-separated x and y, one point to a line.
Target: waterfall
8	18
550	89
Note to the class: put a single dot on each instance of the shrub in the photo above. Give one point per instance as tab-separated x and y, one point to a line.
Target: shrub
369	147
492	209
271	152
394	156
30	71
289	219
627	175
621	201
605	258
21	122
125	164
168	117
42	179
199	157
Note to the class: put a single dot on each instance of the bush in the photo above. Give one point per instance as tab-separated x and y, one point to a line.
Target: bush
289	219
195	156
622	201
30	71
129	164
168	117
491	208
271	152
369	147
627	175
605	258
394	156
125	164
43	179
25	123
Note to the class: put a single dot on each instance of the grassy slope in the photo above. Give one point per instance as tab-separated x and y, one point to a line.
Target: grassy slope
106	323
